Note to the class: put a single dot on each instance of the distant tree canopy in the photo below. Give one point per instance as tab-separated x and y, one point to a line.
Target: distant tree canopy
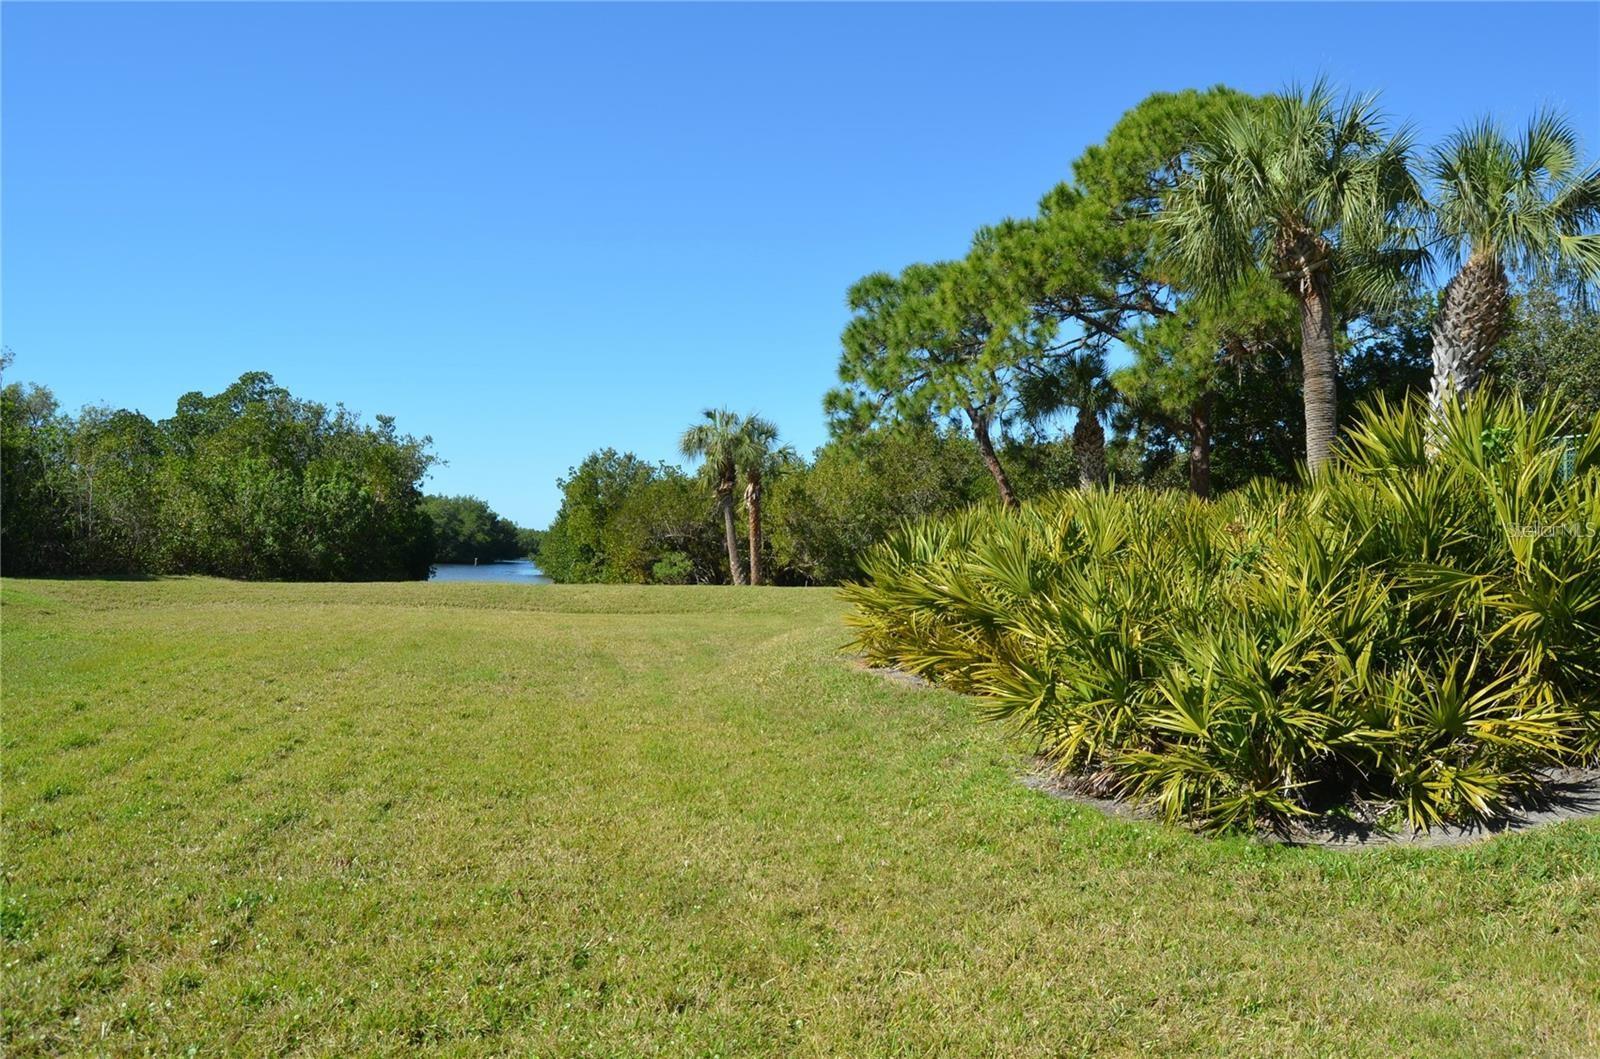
248	483
624	519
855	490
466	530
621	516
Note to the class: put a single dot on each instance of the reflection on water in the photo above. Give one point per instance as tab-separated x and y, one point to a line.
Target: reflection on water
514	571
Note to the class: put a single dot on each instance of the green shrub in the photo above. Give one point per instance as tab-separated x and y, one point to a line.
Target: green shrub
1408	632
673	568
621	516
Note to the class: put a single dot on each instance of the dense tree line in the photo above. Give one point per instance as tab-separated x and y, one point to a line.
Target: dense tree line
467	530
628	520
251	483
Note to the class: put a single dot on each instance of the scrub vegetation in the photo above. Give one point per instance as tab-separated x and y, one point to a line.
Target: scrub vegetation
1417	632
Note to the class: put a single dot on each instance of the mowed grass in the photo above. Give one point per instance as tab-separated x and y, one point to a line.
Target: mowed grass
484	819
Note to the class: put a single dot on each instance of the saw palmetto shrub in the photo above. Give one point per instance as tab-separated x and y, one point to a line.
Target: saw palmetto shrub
1416	631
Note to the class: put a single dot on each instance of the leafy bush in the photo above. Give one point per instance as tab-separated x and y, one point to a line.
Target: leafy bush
1553	348
1409	631
822	517
620	516
673	568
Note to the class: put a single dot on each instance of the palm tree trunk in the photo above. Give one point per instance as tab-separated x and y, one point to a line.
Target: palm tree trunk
729	531
752	506
1200	446
1320	368
980	431
1472	320
1089	446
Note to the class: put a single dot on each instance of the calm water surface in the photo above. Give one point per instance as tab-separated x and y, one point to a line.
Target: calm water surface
514	571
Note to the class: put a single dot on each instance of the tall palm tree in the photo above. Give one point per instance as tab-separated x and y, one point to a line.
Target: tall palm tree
1091	392
758	456
719	440
1500	205
1078	382
1315	190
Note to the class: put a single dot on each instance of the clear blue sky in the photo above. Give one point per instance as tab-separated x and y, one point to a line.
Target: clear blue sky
531	231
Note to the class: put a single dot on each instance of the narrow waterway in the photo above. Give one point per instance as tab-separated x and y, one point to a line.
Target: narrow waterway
513	571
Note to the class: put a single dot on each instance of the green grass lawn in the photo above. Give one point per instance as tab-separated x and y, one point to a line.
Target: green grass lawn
491	819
